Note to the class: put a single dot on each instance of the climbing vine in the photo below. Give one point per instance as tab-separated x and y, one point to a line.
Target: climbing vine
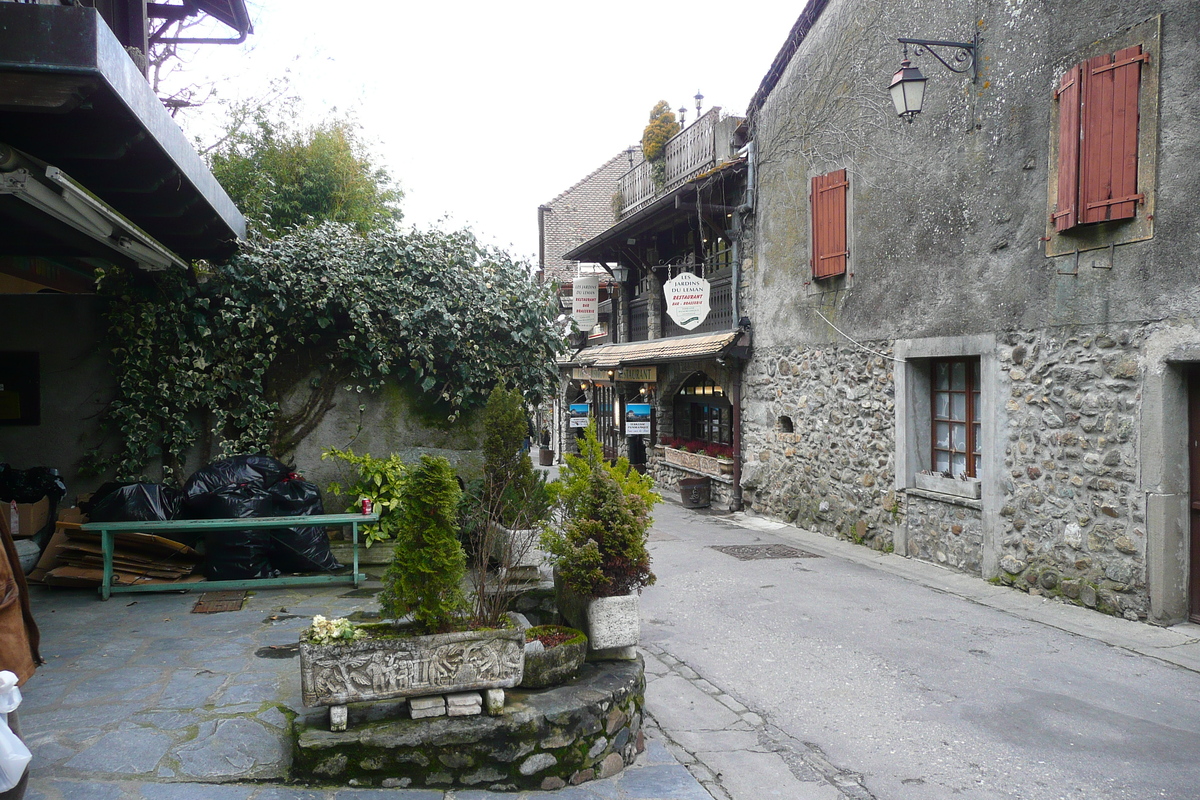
208	363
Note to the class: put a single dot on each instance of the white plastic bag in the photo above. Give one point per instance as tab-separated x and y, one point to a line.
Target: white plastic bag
14	755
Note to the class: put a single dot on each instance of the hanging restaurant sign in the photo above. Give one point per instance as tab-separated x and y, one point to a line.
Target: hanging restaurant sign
585	301
687	300
579	414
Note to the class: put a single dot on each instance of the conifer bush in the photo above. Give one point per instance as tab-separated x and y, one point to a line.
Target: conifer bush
425	577
597	538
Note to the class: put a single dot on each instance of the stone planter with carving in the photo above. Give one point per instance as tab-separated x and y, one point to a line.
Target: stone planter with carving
698	462
390	666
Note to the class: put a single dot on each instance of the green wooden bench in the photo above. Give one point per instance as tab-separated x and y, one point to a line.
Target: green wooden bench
200	526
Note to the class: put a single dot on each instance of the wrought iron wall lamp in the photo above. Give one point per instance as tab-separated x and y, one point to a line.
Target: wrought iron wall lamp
908	84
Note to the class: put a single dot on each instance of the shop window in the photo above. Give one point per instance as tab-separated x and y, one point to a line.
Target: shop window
703	413
20	390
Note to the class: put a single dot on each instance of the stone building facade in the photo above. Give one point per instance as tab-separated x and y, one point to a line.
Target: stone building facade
982	385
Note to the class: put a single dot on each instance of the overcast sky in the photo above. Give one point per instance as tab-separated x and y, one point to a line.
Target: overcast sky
485	110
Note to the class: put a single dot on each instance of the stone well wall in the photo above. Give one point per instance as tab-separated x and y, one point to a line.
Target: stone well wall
588	728
833	472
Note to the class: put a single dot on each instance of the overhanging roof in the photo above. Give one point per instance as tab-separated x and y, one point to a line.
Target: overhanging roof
658	351
71	97
597	248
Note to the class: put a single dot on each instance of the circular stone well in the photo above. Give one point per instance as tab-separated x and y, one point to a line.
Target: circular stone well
588	728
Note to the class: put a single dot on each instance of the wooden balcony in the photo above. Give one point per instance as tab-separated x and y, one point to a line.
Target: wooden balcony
696	149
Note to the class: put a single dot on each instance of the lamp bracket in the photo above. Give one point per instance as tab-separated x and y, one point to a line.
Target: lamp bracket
963	55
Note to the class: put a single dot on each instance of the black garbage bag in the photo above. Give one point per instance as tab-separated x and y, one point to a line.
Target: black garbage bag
134	502
31	485
299	549
252	470
235	554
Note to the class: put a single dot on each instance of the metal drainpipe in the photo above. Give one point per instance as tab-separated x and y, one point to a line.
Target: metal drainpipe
736	502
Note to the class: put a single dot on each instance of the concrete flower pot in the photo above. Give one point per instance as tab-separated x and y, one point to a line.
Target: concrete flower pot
612	624
518	551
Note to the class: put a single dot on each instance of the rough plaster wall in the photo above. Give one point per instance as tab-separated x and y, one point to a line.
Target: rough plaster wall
948	212
394	420
76	385
945	226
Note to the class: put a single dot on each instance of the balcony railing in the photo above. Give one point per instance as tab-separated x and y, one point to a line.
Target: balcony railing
697	148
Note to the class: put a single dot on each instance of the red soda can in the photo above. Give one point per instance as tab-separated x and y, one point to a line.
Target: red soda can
367	505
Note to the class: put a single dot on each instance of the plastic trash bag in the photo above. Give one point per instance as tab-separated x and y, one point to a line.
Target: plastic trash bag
253	470
299	549
30	485
14	755
135	502
235	554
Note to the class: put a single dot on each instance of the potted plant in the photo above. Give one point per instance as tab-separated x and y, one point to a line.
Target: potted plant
597	542
513	499
553	654
427	643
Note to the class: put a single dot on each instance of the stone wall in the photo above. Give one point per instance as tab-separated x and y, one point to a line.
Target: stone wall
667	476
833	471
1073	516
945	531
586	729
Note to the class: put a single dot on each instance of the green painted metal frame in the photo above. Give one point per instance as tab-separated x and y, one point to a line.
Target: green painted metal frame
107	529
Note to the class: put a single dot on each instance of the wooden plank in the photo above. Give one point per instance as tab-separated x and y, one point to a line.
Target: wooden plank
1127	76
1065	216
324	520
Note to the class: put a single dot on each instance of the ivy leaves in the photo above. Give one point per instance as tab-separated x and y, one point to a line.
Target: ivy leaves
203	360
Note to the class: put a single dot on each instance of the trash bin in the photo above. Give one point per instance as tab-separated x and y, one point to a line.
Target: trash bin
695	492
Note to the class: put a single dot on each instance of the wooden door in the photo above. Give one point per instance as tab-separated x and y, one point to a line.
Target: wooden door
1194	481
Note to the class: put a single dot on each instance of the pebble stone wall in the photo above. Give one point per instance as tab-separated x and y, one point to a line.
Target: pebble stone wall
834	471
1072	519
1073	516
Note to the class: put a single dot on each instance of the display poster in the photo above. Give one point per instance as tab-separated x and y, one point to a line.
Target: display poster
687	300
637	419
585	302
579	414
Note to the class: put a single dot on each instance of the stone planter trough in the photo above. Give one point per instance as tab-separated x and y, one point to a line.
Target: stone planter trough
397	667
556	665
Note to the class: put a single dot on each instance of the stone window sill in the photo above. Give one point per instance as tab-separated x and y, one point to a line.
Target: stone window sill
945	498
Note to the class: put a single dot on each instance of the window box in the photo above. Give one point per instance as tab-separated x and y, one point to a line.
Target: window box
697	462
970	488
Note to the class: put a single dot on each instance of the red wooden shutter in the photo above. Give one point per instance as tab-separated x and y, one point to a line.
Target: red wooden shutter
1108	146
1065	216
828	203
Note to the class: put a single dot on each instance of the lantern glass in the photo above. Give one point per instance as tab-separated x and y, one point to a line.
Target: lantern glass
908	90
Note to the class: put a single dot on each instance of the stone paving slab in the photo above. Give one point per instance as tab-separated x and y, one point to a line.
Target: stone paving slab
142	700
